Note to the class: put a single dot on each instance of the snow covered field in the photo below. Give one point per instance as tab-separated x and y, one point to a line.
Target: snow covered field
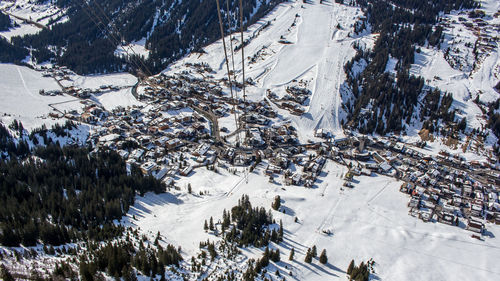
113	99
95	81
109	99
20	98
134	48
369	221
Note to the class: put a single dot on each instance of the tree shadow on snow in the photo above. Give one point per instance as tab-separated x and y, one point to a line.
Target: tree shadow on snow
287	210
488	234
289	243
317	268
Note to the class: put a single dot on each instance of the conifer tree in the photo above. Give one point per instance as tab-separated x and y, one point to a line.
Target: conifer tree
292	253
314	251
280	233
277	203
211	225
308	258
205	227
350	267
322	257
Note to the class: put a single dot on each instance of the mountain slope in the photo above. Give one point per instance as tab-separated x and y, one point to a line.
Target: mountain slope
87	41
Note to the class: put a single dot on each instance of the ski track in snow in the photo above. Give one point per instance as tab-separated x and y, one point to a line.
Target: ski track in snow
24	84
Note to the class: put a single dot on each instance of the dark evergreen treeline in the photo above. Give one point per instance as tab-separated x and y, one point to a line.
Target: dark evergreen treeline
86	43
494	121
403	25
251	226
8	147
11	53
360	272
119	258
66	194
5	22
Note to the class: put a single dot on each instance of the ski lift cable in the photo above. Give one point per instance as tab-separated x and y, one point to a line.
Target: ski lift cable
243	61
110	37
119	34
230	35
227	64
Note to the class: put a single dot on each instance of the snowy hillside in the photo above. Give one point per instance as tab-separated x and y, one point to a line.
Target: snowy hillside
369	221
318	46
460	72
31	16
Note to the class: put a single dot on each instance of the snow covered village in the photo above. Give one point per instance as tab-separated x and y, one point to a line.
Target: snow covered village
288	148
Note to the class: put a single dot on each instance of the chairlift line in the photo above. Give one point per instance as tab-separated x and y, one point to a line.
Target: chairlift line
243	63
227	66
230	35
111	36
121	37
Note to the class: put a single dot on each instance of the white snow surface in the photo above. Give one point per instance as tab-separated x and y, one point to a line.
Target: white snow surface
113	99
20	98
22	29
95	81
369	221
134	48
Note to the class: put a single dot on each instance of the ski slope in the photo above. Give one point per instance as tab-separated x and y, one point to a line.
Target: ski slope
368	221
317	52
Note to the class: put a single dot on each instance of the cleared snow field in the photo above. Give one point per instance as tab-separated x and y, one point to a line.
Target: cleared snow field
369	221
113	99
20	30
95	81
19	97
108	99
134	48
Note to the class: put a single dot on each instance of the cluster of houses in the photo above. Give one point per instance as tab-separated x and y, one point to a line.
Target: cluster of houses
443	188
446	188
174	134
293	100
150	138
86	93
